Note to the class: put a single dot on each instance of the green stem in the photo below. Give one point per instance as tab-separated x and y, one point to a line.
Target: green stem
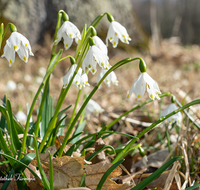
28	119
120	63
52	123
188	115
41	107
77	100
120	155
59	19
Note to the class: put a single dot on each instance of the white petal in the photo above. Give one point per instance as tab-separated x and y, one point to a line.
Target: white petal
67	42
68	76
23	53
99	43
9	54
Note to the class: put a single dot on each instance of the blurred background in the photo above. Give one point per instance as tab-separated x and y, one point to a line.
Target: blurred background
165	33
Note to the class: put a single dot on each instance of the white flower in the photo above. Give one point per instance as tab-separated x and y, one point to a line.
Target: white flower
80	80
115	32
99	43
94	56
143	82
17	43
110	78
92	107
174	118
68	31
21	116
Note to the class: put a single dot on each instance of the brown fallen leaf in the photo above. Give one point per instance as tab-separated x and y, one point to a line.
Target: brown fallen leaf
95	172
68	172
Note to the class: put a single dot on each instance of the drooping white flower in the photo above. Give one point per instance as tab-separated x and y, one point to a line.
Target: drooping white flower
80	80
99	43
115	32
92	107
174	118
68	31
17	43
142	83
94	56
110	78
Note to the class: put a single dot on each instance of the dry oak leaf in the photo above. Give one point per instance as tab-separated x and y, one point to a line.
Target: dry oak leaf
95	172
68	172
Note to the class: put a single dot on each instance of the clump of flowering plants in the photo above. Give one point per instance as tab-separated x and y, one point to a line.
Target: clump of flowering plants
91	55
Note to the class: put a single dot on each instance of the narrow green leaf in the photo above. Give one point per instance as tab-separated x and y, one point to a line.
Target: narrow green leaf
14	136
79	130
99	150
107	173
154	175
7	182
4	162
26	160
193	187
18	161
42	173
64	110
51	172
82	184
71	150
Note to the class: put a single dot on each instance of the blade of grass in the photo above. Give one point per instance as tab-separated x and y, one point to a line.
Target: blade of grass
154	175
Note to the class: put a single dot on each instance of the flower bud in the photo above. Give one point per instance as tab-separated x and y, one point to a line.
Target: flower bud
93	31
65	16
173	99
72	60
91	41
142	66
110	17
13	28
141	150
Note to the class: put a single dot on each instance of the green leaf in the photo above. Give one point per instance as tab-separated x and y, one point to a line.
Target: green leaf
7	182
14	134
18	161
156	174
26	160
193	187
51	172
99	150
79	129
107	173
42	173
64	110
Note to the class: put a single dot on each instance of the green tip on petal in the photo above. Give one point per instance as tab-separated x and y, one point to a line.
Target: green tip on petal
110	17
93	31
65	16
91	41
13	28
142	66
72	60
173	99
